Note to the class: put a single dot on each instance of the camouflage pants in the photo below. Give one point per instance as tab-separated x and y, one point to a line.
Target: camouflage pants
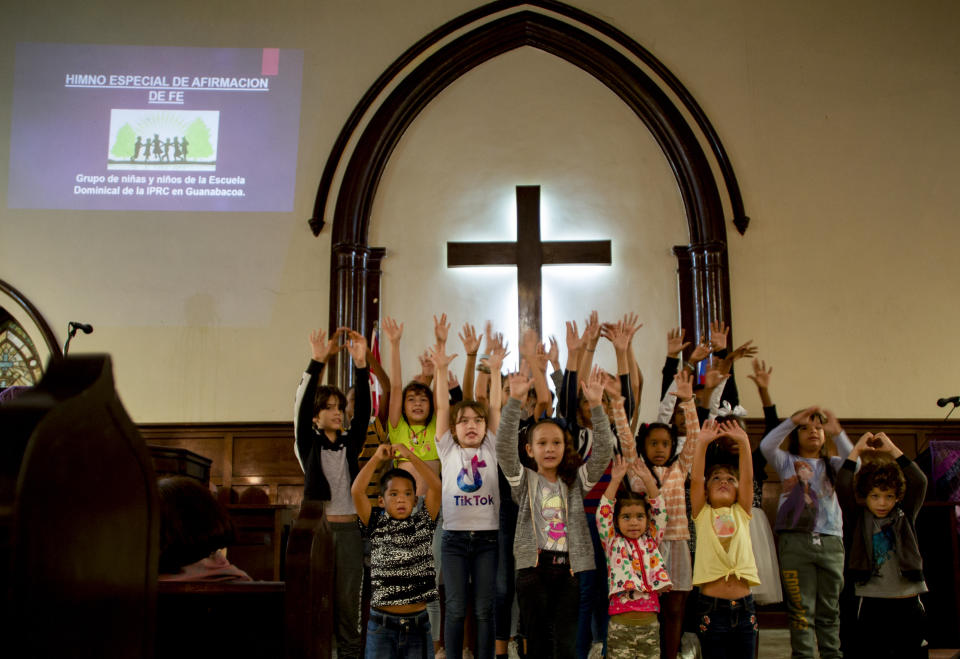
633	641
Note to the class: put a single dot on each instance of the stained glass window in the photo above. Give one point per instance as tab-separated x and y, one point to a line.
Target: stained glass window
20	365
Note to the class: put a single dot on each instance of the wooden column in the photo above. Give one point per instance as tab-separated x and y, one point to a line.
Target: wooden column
354	296
703	278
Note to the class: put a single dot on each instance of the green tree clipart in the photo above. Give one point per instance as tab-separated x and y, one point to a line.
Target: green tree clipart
198	137
123	146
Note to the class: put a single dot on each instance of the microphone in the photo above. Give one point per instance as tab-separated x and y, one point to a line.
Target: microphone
953	400
87	329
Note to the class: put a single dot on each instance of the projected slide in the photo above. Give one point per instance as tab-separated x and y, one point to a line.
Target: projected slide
148	128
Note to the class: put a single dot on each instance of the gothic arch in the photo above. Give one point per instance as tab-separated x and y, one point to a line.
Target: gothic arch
571	35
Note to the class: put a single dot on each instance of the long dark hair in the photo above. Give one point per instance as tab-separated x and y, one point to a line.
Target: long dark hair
567	469
793	446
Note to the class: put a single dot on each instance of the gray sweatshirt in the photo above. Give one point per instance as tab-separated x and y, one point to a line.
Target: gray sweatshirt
523	481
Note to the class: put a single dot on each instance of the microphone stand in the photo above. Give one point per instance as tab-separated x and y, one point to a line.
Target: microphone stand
71	332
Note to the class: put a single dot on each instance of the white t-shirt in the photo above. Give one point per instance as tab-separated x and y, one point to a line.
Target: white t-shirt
471	492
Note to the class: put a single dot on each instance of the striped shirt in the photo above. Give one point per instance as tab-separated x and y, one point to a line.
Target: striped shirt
672	477
401	558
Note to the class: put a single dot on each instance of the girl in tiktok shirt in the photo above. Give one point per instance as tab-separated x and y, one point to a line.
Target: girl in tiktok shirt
471	509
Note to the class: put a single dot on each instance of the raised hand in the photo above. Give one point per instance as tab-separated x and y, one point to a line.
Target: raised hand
384	453
832	425
426	364
495	361
618	469
630	325
320	348
718	336
747	350
528	343
357	347
469	339
713	377
734	430
864	444
684	382
402	451
441	328
700	352
593	387
761	374
803	416
591	333
452	382
620	337
553	354
887	445
574	340
709	431
539	359
393	331
519	385
611	385
439	357
675	342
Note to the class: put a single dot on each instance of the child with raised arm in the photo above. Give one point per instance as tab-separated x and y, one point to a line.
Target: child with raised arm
631	527
880	505
724	569
552	541
411	419
402	576
764	547
330	461
810	527
471	497
656	445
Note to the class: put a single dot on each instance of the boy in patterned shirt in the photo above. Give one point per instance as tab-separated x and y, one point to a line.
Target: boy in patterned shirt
402	574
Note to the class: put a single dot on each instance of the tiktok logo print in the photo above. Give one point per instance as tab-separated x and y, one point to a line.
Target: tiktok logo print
475	464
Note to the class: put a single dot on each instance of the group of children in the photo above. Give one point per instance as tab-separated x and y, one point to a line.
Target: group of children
490	487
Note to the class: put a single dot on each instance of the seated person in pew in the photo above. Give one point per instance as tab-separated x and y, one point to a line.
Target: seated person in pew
194	533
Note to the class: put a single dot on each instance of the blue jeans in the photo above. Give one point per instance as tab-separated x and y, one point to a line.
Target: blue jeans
469	556
594	603
391	636
728	628
506	572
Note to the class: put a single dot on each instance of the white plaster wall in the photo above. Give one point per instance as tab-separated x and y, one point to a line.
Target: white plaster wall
529	118
839	119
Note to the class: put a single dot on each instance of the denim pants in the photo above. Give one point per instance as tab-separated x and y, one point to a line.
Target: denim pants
506	572
391	636
549	598
728	628
469	557
593	617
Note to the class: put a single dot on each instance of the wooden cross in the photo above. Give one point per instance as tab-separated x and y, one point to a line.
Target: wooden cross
529	253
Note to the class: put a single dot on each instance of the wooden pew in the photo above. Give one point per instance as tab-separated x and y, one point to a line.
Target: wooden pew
220	619
262	619
78	520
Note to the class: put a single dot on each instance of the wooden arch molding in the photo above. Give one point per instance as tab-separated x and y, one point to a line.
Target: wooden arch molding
567	33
